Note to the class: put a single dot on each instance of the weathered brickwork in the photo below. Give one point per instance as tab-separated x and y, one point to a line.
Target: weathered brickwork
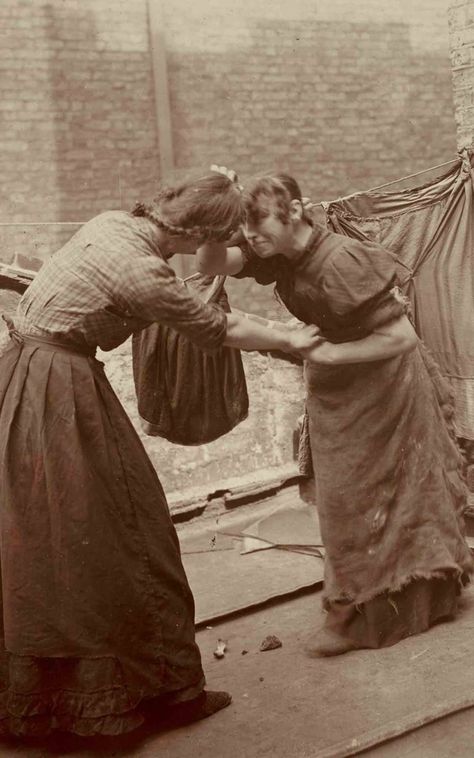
260	447
461	27
345	95
461	31
78	121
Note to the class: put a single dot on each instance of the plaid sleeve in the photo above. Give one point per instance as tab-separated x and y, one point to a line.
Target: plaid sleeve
149	290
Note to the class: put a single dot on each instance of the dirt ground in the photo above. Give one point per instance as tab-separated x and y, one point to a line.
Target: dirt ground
285	704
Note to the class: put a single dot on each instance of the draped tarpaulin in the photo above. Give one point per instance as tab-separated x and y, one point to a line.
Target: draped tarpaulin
430	230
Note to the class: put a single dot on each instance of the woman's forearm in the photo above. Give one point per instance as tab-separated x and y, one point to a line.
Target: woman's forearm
216	258
210	257
394	339
246	334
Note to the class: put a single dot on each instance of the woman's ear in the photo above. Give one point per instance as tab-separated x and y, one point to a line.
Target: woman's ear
296	210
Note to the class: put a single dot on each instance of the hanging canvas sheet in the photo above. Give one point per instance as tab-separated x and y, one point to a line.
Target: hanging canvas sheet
429	229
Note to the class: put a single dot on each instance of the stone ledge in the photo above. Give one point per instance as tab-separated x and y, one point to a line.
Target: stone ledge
263	485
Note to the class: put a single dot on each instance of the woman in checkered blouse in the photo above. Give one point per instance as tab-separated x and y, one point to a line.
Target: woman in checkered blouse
98	617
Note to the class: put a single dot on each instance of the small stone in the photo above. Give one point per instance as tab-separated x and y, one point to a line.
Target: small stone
221	647
270	643
244	652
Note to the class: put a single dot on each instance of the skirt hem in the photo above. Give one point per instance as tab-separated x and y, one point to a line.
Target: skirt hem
461	574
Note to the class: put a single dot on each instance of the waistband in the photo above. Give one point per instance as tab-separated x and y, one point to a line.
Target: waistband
50	342
54	343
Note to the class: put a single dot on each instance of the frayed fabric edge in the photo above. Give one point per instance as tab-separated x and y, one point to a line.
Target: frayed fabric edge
462	575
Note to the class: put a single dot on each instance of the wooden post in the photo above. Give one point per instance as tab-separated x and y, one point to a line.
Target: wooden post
161	88
164	125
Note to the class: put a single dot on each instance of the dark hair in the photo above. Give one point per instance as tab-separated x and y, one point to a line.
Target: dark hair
209	207
291	185
278	190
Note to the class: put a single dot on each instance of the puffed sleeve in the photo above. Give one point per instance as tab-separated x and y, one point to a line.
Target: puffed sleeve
264	271
360	292
149	290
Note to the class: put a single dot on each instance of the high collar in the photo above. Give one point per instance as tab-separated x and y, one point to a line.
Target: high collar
318	234
150	232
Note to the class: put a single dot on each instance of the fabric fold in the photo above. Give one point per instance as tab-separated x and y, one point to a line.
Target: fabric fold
91	570
429	231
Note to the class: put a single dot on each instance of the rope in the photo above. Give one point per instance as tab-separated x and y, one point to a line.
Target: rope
413	176
346	197
42	223
325	204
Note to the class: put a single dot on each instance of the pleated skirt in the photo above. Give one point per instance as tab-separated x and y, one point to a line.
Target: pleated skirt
97	614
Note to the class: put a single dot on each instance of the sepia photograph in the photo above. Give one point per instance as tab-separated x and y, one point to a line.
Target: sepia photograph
236	378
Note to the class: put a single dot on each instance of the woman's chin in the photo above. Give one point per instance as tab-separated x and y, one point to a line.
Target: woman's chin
264	252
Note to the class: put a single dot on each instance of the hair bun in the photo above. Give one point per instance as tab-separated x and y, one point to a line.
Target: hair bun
139	209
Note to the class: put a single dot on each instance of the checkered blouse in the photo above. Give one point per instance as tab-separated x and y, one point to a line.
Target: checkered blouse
110	280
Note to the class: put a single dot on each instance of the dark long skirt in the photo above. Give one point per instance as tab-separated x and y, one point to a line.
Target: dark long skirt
97	612
390	496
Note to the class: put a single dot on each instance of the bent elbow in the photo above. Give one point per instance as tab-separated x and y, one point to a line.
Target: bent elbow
409	342
405	335
204	267
233	328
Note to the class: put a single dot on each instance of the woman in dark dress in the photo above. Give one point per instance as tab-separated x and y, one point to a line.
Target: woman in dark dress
97	613
389	486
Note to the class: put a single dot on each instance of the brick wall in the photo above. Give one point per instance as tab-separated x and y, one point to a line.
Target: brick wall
77	132
260	448
461	32
461	27
344	95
